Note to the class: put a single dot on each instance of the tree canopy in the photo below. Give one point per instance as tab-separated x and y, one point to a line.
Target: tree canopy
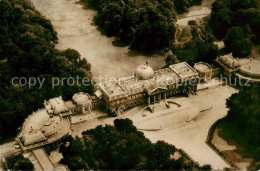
227	15
146	25
238	41
242	124
18	163
27	50
120	146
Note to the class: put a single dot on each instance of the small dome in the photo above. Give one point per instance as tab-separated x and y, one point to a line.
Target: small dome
81	98
144	72
202	67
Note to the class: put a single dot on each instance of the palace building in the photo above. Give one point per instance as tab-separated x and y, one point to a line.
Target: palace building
204	69
148	86
243	70
47	126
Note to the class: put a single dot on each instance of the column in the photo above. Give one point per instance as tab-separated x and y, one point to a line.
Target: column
149	101
154	99
159	97
165	96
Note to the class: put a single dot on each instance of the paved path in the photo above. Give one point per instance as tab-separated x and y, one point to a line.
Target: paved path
211	84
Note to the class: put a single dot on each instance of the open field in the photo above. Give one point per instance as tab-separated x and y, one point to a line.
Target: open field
76	30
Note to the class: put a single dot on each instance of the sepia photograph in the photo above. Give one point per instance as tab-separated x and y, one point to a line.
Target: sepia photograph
129	85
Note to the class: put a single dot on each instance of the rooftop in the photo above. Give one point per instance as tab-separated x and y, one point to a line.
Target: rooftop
202	67
183	70
35	121
56	106
44	127
38	126
161	78
81	98
112	88
229	61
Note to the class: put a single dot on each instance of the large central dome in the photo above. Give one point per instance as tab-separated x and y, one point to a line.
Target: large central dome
144	72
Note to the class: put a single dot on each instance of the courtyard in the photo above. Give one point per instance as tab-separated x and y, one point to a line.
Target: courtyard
189	136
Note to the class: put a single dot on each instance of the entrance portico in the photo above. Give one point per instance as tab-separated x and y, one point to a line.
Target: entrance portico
156	98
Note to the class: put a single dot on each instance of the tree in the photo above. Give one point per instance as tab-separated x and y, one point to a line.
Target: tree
147	26
243	121
119	147
206	167
221	21
19	163
158	160
235	13
238	41
170	59
125	125
242	4
182	5
27	43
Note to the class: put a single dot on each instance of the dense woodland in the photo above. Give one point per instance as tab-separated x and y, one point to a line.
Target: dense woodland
27	50
238	23
242	124
149	26
145	25
121	147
